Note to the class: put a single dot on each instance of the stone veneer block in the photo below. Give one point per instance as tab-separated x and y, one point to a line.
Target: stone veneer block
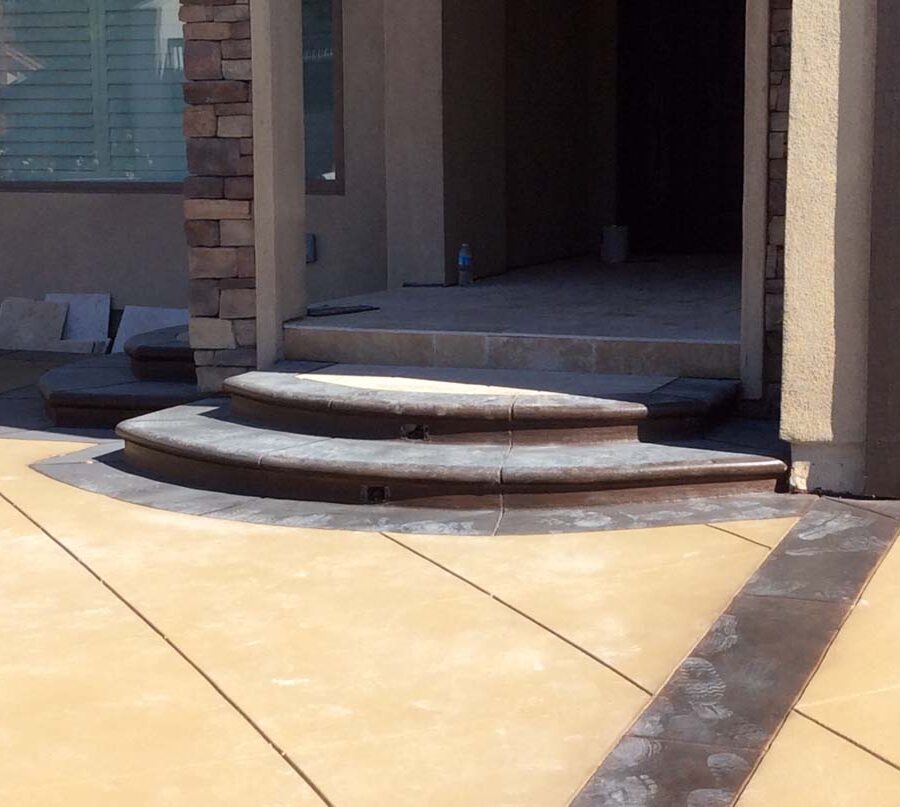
213	262
237	233
205	188
210	333
237	304
216	208
238	69
216	92
245	332
202	60
30	324
210	156
200	121
233	126
204	298
219	225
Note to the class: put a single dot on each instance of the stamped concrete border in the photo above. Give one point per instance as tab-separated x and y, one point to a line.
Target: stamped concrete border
101	469
702	737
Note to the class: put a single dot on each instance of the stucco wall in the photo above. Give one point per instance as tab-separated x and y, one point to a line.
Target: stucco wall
828	241
129	244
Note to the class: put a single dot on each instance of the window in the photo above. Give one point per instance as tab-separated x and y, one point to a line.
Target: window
323	102
91	90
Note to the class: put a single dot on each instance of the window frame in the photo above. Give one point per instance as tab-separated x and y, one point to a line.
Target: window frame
336	187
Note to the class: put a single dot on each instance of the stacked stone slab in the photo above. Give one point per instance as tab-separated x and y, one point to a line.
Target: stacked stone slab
779	105
218	126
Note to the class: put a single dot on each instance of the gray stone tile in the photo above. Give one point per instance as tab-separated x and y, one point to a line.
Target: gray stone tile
22	413
138	319
828	556
88	317
644	772
30	324
568	354
738	684
888	508
28	393
98	452
747	507
367	518
106	474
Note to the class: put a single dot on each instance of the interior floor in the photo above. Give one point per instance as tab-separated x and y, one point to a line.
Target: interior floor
680	298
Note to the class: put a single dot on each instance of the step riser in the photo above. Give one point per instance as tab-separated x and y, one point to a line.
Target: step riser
329	487
513	352
452	429
147	370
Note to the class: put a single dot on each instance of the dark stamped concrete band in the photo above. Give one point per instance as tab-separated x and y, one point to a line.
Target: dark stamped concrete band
701	738
102	470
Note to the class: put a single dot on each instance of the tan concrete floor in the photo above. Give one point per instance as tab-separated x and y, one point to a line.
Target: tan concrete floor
670	297
156	658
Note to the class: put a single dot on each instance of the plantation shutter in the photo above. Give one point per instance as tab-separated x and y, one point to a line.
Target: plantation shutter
91	89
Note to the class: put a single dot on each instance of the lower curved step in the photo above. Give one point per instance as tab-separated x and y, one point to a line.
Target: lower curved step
102	391
203	445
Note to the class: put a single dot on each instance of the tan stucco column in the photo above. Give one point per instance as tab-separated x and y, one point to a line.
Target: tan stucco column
279	171
414	140
445	158
828	231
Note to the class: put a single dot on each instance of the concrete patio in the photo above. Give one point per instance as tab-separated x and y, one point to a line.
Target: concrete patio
168	645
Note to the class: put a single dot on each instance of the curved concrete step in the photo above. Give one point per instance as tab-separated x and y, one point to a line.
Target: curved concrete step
202	444
101	392
162	355
442	403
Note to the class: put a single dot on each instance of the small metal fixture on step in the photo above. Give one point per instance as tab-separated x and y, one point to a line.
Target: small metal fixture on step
375	494
465	266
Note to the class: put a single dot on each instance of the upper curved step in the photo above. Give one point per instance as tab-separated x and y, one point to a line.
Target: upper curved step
102	391
381	401
162	355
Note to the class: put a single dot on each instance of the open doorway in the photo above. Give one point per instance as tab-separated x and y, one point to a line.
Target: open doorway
631	112
680	128
624	112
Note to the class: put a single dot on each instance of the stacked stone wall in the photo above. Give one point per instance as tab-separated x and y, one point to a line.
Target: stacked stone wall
218	205
779	106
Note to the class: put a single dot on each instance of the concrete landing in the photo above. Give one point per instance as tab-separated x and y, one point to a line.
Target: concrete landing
674	316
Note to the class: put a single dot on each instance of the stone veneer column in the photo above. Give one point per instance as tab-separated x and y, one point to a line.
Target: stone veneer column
218	125
779	106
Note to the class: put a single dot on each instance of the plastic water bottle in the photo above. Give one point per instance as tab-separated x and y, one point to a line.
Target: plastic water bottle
465	265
